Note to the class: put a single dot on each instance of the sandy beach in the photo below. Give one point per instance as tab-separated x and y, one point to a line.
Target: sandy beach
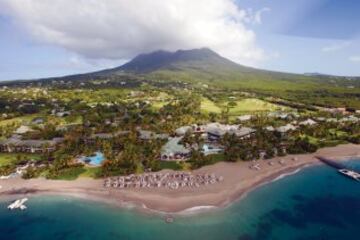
239	179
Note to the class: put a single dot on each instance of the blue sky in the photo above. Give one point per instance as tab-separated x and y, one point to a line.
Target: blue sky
294	36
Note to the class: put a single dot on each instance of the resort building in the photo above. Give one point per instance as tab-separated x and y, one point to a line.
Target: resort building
192	128
104	136
14	144
149	135
174	151
216	130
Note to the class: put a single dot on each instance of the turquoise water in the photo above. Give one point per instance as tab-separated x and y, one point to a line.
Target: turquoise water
316	203
95	160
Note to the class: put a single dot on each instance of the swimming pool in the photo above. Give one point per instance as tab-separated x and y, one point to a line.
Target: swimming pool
95	160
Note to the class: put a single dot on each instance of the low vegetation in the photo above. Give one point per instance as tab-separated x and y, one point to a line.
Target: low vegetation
93	117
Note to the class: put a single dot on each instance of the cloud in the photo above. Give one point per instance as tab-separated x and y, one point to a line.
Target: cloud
121	29
336	46
259	13
79	62
354	58
255	16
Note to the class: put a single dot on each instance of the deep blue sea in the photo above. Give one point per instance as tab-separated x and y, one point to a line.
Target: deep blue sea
315	203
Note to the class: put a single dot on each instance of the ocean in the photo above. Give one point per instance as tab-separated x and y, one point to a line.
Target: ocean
315	203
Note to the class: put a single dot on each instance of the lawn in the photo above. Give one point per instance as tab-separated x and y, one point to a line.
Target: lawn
73	119
70	173
158	104
91	172
209	106
19	120
170	165
10	158
338	133
214	158
253	105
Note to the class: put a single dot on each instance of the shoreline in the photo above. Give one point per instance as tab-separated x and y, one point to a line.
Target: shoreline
239	180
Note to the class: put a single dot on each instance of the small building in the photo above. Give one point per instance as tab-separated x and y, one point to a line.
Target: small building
351	118
308	122
23	129
283	115
63	114
67	127
285	129
321	119
244	118
107	122
38	120
270	128
174	151
332	120
279	115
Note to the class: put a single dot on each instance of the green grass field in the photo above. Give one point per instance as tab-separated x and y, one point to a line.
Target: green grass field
11	158
208	106
253	105
70	173
18	120
244	106
158	104
26	119
170	165
90	172
298	88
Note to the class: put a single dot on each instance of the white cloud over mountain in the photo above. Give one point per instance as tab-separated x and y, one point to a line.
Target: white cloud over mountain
120	29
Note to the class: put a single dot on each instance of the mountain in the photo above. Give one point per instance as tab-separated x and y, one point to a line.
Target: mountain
201	59
204	67
170	60
197	66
